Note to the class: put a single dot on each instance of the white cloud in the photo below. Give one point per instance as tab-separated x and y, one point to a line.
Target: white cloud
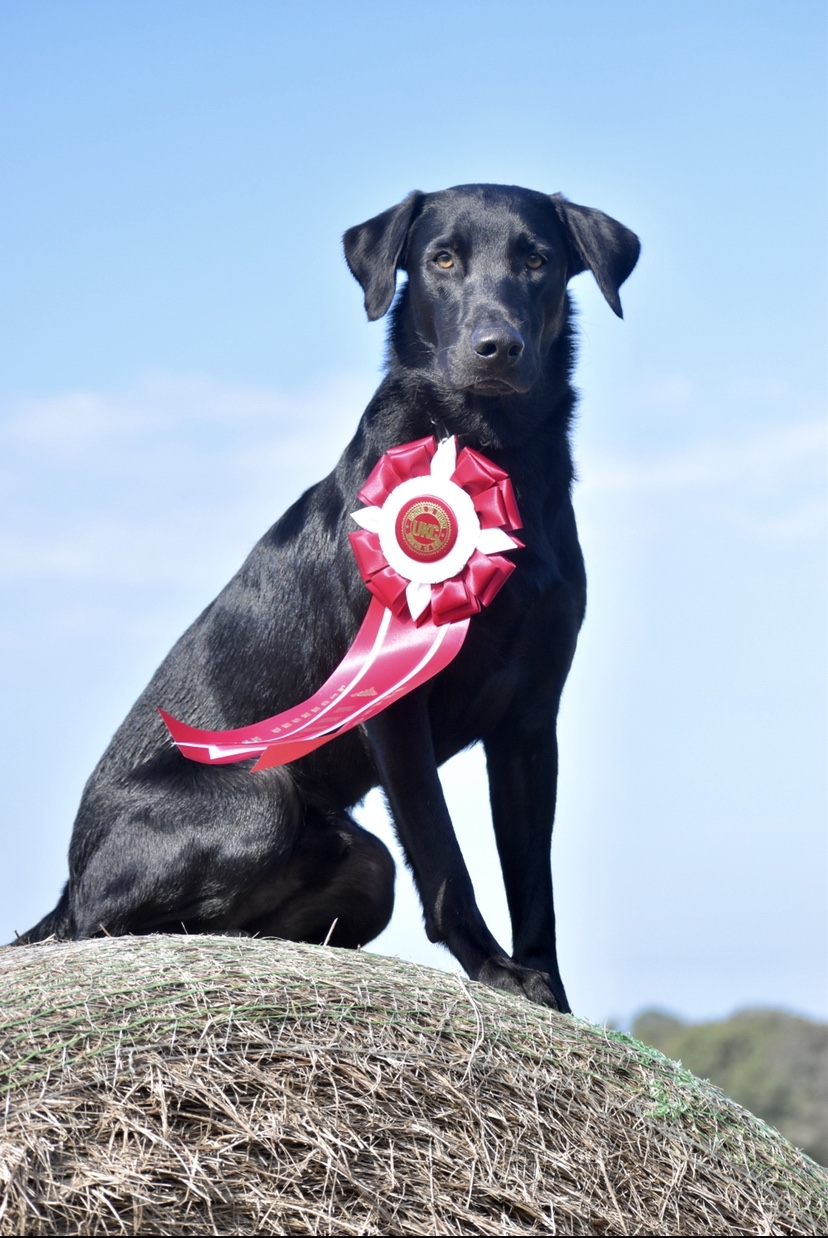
80	422
178	477
770	484
174	476
671	392
799	522
760	460
679	391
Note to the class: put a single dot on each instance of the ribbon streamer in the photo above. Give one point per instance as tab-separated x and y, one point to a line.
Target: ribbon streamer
442	522
387	659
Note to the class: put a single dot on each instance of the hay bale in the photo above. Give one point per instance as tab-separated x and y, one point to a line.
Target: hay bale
195	1085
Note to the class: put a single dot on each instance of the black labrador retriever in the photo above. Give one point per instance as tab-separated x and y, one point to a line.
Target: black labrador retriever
481	347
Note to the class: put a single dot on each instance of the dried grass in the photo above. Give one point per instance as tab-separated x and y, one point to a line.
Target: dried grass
200	1085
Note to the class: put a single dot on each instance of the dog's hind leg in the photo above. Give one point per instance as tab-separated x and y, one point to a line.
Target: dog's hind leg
337	887
178	846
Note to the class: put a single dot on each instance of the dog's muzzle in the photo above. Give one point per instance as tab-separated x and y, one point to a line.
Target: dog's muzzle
493	361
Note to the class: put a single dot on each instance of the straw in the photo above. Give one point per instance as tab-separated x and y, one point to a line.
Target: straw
208	1085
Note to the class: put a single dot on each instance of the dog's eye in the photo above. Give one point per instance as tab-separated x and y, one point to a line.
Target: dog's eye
535	262
444	260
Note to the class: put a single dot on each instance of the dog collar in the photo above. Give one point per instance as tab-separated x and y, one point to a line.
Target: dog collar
430	550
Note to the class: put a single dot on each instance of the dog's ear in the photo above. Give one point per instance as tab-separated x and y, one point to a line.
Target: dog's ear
598	243
373	251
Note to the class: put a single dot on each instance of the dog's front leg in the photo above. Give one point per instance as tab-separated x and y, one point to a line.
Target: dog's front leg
523	775
401	740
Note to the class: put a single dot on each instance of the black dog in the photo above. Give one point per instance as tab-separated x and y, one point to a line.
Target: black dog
480	346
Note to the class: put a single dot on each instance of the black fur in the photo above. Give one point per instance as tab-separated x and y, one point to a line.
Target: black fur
480	345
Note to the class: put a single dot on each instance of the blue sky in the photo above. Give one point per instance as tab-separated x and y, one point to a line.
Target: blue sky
183	350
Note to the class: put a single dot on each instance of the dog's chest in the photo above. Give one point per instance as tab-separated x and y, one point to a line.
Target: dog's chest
511	667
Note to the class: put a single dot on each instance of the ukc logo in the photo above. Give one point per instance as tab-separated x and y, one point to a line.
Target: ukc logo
426	528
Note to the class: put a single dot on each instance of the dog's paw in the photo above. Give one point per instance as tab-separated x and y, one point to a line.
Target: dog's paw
537	986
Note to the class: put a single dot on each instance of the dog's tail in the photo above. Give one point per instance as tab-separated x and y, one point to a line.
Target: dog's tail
57	924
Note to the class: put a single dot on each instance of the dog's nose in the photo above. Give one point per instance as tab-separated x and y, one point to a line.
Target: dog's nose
497	341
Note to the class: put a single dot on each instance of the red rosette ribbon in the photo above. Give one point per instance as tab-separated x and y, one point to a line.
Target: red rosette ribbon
433	531
430	549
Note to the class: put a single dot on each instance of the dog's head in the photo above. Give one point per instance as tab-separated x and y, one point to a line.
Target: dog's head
488	267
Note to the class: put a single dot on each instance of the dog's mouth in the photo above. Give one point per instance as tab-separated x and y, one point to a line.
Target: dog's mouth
492	387
490	381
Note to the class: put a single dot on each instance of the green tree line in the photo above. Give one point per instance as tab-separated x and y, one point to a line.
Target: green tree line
771	1062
